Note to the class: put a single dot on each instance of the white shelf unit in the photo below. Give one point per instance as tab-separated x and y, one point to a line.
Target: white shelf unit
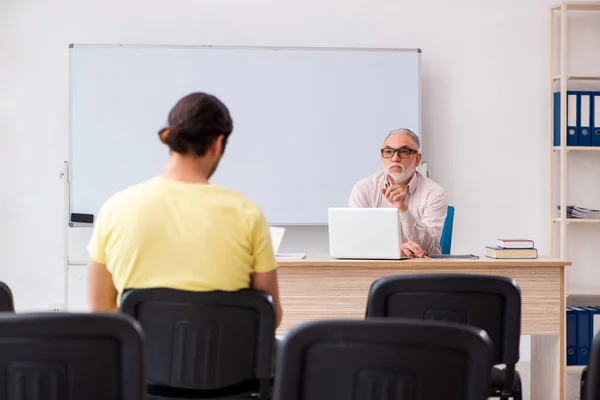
578	220
577	77
563	77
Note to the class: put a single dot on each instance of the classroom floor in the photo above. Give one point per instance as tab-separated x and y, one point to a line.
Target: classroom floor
524	371
572	381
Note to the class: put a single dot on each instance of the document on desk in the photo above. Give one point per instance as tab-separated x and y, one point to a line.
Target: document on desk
290	256
454	256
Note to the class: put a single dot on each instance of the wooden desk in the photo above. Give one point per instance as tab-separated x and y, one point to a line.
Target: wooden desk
319	287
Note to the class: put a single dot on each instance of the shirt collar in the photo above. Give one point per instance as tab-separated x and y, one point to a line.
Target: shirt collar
413	183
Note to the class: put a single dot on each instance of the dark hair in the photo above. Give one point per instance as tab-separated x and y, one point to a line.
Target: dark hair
194	124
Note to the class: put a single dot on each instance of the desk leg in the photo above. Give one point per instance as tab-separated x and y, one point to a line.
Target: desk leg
547	372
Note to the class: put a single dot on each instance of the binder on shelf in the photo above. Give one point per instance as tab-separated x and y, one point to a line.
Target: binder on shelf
594	321
573	107
583	335
571	336
572	118
584	138
595	118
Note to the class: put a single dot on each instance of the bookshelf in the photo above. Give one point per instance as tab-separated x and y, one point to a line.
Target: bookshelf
578	220
576	6
578	77
562	77
577	148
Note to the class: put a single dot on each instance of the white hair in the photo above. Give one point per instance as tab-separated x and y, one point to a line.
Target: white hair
405	131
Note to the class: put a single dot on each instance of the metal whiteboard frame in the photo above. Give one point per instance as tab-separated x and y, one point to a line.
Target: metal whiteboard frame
66	174
263	48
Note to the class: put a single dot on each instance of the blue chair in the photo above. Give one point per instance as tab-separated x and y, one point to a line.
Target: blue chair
446	239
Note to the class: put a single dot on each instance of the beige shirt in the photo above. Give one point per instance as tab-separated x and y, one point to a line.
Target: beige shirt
427	201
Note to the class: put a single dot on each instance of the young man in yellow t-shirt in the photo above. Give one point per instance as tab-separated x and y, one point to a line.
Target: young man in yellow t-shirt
177	230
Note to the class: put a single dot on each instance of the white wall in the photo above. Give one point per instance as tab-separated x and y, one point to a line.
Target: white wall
485	116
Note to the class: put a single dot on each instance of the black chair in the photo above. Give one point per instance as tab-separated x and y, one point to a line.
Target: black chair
205	344
6	298
590	375
383	359
70	357
583	384
490	303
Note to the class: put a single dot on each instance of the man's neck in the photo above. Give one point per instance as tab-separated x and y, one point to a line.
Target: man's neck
186	169
404	184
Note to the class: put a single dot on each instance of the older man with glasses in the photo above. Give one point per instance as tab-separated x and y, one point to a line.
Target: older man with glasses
422	204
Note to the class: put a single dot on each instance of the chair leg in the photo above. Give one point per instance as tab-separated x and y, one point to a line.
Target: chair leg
265	389
582	384
517	393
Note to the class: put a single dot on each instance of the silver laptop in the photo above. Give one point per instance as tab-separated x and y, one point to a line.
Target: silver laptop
364	233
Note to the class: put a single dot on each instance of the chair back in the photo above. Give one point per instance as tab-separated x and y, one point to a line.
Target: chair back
590	378
204	340
383	359
70	357
491	303
6	298
446	239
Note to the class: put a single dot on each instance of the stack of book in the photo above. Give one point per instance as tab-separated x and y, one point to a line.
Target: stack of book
581	212
512	248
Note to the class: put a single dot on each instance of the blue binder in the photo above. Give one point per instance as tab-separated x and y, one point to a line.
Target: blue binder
595	115
571	336
583	335
572	118
584	127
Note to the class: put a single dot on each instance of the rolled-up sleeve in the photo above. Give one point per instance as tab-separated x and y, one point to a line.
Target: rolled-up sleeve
426	231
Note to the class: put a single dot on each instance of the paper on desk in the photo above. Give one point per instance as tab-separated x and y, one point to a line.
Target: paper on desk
298	256
276	237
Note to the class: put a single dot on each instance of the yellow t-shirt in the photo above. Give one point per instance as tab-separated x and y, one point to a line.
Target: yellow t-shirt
165	233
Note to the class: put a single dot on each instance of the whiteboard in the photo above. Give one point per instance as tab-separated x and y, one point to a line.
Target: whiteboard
308	123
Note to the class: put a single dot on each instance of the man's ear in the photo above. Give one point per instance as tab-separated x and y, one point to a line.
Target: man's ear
217	147
419	158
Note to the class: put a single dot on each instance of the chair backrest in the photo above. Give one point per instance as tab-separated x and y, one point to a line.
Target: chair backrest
590	379
383	359
446	239
6	298
491	303
70	357
204	340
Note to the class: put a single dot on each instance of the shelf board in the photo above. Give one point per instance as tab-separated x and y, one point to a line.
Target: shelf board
578	6
574	369
579	220
582	292
578	148
588	77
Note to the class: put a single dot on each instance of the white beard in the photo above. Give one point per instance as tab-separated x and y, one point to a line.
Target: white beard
403	176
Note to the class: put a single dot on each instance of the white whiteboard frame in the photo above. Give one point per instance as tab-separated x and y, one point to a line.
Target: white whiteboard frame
66	175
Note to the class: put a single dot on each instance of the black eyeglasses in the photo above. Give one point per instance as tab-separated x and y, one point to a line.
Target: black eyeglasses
403	152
